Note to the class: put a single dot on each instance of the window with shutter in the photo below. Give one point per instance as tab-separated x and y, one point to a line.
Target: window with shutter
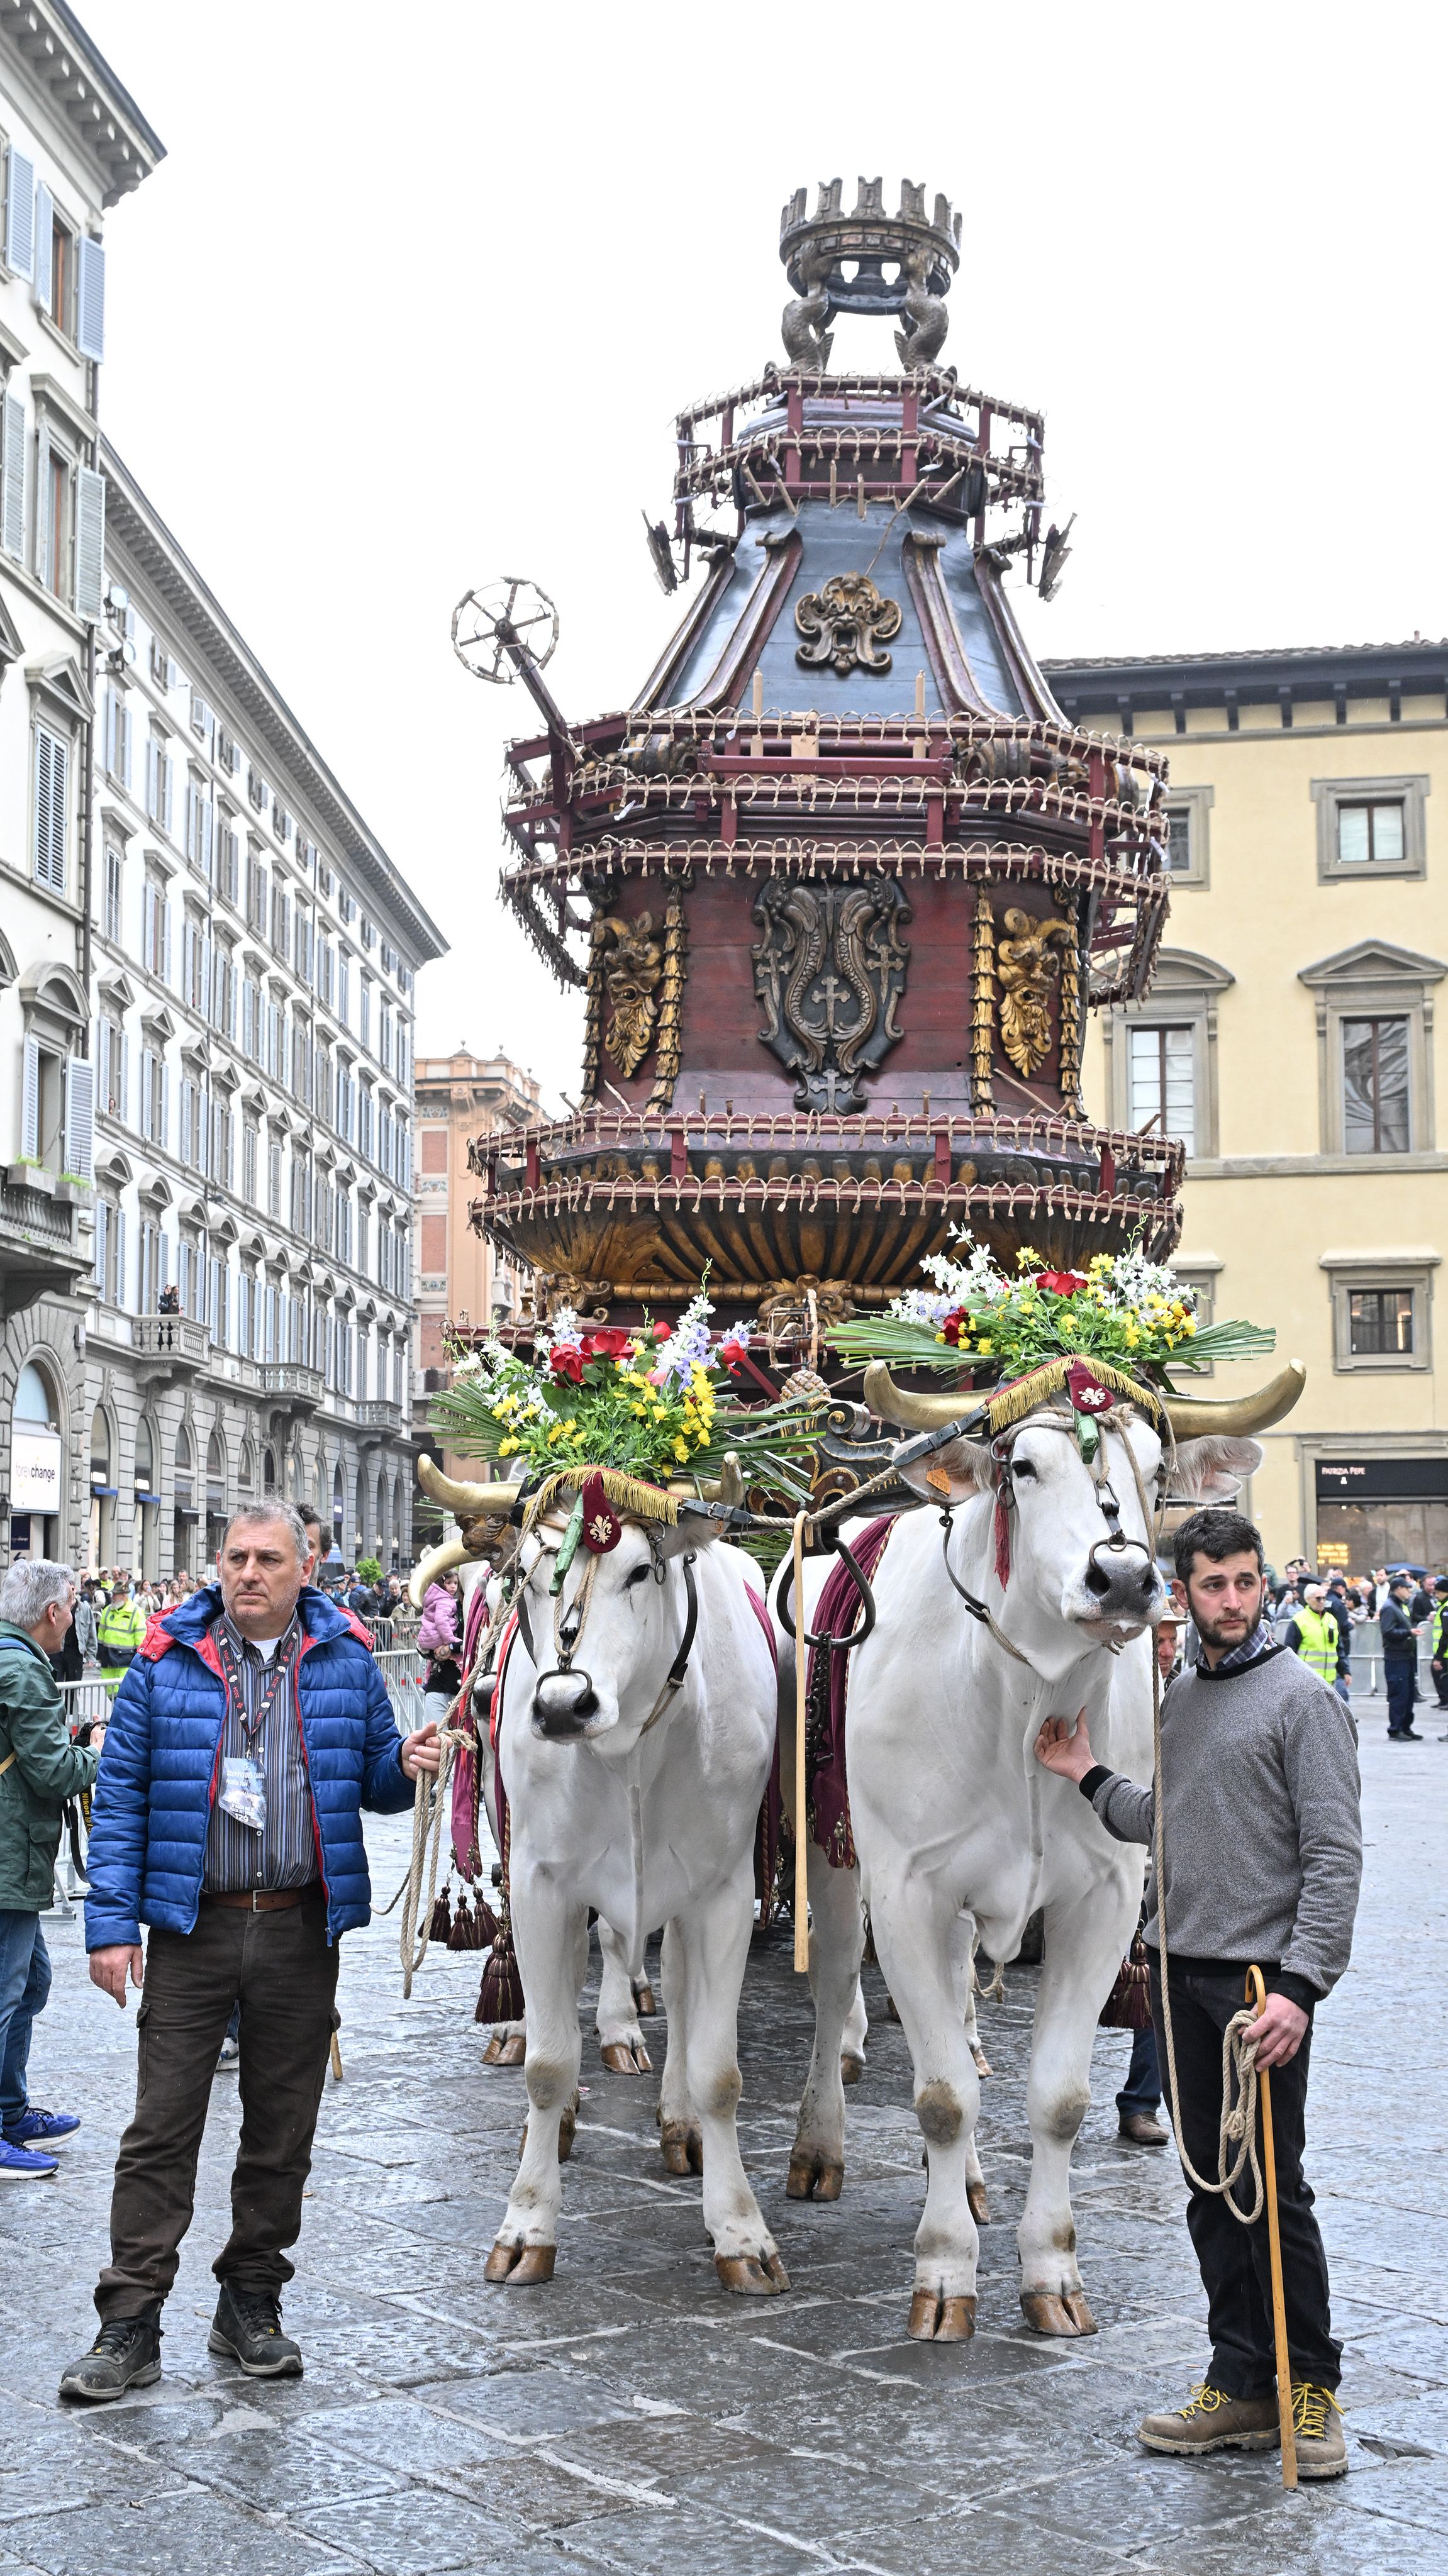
90	303
125	1108
166	1108
185	1137
166	767
122	1283
148	1091
166	939
52	774
90	542
103	1229
12	518
30	1102
20	215
80	1118
44	245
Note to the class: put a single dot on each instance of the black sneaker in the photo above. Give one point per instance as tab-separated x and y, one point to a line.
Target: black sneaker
248	2325
126	2354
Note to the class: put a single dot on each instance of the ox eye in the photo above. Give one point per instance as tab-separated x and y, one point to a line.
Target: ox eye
1023	1467
636	1574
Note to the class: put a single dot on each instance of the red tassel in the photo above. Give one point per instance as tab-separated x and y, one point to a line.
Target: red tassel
461	1936
442	1925
500	1996
1002	1541
485	1924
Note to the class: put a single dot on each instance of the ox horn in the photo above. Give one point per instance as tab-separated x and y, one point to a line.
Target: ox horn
438	1561
467	1502
730	1485
914	1412
1191	1419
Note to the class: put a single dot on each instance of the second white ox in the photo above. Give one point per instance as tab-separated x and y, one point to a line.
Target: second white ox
640	1803
952	1814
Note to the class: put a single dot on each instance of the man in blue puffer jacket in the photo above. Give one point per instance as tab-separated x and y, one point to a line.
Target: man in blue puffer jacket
249	1732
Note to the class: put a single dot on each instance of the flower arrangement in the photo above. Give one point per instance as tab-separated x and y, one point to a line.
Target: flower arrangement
1122	1308
653	1403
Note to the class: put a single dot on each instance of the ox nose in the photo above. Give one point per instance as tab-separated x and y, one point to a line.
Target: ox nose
1128	1578
562	1704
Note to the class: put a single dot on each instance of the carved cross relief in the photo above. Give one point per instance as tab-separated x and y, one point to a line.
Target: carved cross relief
830	970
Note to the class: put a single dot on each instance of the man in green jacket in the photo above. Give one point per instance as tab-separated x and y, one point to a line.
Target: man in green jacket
39	1769
119	1632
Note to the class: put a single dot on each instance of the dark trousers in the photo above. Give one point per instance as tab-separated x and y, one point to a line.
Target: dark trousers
1398	1681
1142	2089
1440	1683
1234	2260
279	1968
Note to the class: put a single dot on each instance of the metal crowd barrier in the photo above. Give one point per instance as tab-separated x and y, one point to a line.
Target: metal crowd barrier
403	1672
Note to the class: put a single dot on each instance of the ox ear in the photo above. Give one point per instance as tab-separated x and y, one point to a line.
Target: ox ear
953	1474
1213	1469
692	1529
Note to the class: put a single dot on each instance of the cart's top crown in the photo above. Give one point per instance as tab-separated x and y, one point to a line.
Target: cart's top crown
923	256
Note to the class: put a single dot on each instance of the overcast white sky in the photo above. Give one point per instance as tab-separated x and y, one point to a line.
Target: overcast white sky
415	296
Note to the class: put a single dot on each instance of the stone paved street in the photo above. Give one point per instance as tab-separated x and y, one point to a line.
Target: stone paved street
634	2418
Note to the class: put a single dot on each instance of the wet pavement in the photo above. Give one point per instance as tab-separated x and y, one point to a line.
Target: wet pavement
633	2417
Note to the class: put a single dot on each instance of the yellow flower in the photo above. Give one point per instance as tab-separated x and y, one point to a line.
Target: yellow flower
1189	1324
983	1346
1132	1337
681	1450
507	1447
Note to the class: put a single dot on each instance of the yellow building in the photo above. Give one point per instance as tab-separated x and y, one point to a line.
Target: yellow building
1289	1039
460	1278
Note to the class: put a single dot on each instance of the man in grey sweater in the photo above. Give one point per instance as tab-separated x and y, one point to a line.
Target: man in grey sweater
1262	1863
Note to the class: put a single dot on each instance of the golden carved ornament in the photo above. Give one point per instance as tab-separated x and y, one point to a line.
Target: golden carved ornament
1027	965
632	968
845	623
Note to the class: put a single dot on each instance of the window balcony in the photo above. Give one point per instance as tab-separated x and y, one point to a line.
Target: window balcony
40	1252
300	1386
378	1414
168	1346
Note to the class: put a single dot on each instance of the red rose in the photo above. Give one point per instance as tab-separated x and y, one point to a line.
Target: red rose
950	1330
731	1352
608	1345
1062	1283
663	1332
567	1361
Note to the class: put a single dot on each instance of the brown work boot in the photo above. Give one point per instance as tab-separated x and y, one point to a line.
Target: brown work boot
1213	2421
1139	2129
1317	2425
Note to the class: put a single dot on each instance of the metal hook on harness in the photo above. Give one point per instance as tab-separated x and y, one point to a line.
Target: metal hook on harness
856	1636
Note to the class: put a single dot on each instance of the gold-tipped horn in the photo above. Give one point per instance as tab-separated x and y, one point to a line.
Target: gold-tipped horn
730	1486
466	1501
1191	1419
914	1412
438	1561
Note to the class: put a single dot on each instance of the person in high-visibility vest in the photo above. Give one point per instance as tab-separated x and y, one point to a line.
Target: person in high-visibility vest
1314	1637
1438	1633
119	1631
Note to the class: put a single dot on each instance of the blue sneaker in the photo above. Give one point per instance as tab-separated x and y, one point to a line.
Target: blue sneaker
18	2164
36	2128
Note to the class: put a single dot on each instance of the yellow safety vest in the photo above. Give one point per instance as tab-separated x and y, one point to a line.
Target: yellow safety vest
1319	1642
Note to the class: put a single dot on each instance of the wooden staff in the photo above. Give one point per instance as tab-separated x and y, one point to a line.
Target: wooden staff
1257	1997
801	1829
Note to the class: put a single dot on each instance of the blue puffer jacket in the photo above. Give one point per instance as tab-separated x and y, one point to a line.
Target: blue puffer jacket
162	1754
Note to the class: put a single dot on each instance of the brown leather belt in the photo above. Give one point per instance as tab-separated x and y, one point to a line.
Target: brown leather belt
263	1900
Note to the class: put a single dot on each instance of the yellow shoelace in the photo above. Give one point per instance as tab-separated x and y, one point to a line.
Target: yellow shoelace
1309	2408
1204	2400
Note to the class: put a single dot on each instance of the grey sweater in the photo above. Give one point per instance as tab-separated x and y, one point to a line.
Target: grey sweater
1263	1835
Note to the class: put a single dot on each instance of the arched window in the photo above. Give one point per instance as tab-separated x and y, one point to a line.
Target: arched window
338	1506
268	1471
215	1456
100	1454
35	1402
246	1468
183	1449
145	1461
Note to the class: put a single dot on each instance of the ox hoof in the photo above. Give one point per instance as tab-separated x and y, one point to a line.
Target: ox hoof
752	2276
1049	2314
979	2205
683	2146
505	2051
851	2068
520	2267
644	2000
983	2065
620	2059
814	2177
937	2320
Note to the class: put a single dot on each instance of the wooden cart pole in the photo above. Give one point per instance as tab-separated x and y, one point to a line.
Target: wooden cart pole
801	1828
1257	1997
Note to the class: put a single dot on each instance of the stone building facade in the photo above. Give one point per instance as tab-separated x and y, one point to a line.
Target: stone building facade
461	1277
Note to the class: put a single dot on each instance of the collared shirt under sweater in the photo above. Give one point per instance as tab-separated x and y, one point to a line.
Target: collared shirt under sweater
284	1854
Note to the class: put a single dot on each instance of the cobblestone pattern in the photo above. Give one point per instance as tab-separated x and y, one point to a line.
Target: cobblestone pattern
632	2417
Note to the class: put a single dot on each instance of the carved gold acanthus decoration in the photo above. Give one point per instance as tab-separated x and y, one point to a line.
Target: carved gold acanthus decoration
802	1309
631	969
1069	1052
845	623
555	1292
1027	966
983	1001
671	1001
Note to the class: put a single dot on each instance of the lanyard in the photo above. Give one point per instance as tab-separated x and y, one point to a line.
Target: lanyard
230	1664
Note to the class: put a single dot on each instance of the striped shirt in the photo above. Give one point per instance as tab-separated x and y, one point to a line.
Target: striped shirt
284	1853
1247	1653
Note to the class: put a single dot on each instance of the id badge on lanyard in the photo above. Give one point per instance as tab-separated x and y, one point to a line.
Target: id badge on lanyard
243	1781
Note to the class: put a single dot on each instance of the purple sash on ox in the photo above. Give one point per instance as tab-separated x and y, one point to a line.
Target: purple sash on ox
766	1831
826	1688
465	1764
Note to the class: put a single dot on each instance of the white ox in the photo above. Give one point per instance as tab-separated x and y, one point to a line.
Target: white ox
953	1816
646	1813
